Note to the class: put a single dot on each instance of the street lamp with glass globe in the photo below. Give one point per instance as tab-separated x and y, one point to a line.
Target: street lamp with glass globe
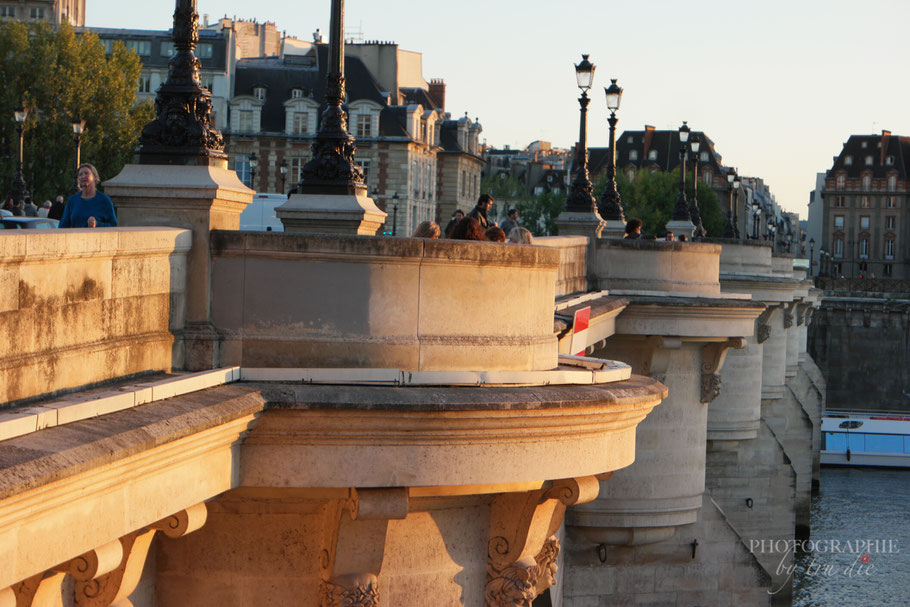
580	198
681	209
18	190
756	218
254	163
611	203
730	228
693	206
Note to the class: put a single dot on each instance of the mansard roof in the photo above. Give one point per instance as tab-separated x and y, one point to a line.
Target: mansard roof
665	143
889	153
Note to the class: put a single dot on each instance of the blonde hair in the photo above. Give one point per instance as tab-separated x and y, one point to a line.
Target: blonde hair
427	229
92	168
520	235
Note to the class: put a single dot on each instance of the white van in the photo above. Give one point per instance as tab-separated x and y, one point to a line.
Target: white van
259	215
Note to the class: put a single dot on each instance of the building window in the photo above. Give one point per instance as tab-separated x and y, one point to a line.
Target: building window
633	154
839	247
652	155
892	181
886	269
364	125
848	160
145	84
36	13
867	182
868	161
890	222
143	48
840	202
8	11
242	167
259	93
865	202
167	49
301	123
631	174
630	139
365	167
838	221
708	176
864	222
245	121
416	180
296	169
864	248
892	202
703	156
296	93
889	160
841	180
208	82
889	248
463	184
204	50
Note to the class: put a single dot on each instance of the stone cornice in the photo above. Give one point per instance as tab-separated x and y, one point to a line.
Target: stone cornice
689	317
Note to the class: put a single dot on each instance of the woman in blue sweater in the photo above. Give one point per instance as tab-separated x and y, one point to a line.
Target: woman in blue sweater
89	208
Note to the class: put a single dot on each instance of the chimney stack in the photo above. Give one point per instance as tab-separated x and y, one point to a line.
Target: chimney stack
438	92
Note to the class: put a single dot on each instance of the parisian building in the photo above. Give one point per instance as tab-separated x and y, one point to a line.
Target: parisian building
53	12
864	208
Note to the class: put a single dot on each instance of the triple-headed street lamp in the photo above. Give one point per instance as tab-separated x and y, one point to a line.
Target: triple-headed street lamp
18	190
611	203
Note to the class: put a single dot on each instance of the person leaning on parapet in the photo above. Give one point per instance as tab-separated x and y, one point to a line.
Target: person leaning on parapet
427	229
30	209
88	208
511	222
57	208
669	236
479	212
520	235
495	234
468	229
633	228
457	216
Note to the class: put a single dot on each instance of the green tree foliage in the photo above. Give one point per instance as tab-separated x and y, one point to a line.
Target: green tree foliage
652	196
57	76
537	212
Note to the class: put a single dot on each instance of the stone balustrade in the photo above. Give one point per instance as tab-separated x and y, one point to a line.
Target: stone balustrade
80	306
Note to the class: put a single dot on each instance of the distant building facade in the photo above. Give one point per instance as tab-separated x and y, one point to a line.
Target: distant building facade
53	12
865	198
419	164
539	167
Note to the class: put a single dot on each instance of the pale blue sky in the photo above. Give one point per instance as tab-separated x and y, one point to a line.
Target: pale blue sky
778	85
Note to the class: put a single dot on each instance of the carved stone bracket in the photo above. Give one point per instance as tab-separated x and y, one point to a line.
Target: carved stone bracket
762	324
802	314
712	360
788	314
354	545
522	549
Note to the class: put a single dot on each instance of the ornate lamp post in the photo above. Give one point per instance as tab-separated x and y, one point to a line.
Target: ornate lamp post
811	256
736	184
254	163
611	203
283	169
772	233
394	213
581	198
183	131
78	129
18	189
332	169
756	218
681	210
693	206
730	228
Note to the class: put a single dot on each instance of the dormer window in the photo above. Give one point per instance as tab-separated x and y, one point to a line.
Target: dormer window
633	154
259	93
869	161
703	156
652	155
889	160
865	145
848	160
296	93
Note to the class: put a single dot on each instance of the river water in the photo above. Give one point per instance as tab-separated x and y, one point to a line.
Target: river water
859	554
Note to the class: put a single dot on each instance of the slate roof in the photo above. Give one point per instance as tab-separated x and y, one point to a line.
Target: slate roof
666	144
279	75
880	148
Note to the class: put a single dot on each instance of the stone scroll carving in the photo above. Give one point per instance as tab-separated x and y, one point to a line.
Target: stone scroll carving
712	360
523	549
763	329
788	314
351	591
